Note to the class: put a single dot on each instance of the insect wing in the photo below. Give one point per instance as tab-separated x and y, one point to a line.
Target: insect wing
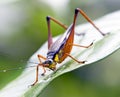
59	43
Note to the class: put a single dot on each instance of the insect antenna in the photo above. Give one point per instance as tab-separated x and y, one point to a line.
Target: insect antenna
19	68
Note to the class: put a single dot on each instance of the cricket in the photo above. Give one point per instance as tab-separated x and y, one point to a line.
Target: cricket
59	50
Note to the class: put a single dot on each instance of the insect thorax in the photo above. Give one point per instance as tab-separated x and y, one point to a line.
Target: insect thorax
55	56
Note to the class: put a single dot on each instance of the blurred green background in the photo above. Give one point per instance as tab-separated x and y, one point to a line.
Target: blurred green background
23	30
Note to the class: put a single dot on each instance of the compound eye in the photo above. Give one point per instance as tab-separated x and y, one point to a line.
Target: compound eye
50	61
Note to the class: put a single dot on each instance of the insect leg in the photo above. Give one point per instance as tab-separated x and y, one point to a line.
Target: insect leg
83	45
37	72
36	80
56	21
50	41
37	69
81	62
88	19
40	56
48	18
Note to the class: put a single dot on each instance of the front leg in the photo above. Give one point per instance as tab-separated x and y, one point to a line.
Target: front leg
37	68
36	80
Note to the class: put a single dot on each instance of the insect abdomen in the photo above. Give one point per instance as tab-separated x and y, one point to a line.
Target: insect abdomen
67	47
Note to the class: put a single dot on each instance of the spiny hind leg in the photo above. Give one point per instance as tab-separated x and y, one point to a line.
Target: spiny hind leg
88	19
48	18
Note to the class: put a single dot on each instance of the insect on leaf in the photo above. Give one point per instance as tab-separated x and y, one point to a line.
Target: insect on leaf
102	47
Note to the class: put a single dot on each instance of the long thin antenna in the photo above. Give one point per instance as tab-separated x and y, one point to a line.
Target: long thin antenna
17	68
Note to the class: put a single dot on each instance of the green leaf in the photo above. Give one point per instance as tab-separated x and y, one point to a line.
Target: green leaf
102	47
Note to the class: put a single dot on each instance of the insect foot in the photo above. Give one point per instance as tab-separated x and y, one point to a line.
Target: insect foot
81	62
43	74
